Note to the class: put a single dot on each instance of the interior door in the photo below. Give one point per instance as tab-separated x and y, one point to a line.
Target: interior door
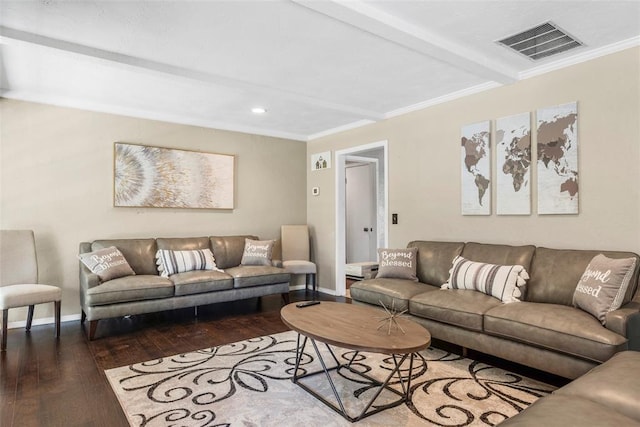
360	204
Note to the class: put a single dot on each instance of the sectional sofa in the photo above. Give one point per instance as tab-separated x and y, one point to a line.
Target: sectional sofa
147	291
605	396
544	330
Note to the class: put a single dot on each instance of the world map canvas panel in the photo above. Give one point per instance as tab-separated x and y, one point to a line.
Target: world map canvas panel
513	157
476	168
168	178
557	170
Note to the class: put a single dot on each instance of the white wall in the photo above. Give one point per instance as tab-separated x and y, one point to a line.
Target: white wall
424	165
56	177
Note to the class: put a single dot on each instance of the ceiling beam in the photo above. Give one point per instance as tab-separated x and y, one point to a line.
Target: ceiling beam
7	33
363	16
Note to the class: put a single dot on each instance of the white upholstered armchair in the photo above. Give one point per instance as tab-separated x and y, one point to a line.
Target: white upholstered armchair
296	253
19	279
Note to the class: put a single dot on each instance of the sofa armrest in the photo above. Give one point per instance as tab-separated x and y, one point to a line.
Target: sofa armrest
88	279
626	322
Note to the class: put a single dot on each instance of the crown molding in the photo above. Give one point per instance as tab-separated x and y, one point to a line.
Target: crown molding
339	129
580	58
442	99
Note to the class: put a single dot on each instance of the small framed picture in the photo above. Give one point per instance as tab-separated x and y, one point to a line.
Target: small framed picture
321	161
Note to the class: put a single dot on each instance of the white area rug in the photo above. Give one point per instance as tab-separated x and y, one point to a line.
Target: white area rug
249	384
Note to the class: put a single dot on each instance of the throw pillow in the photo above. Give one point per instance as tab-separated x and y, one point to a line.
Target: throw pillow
603	285
500	281
257	252
173	262
397	263
107	263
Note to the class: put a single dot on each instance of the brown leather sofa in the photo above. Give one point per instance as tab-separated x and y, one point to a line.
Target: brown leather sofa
148	292
605	396
543	331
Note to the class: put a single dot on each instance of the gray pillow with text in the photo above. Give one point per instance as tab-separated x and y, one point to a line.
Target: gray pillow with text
603	285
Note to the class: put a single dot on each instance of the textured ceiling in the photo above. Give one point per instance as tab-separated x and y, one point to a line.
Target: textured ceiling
317	66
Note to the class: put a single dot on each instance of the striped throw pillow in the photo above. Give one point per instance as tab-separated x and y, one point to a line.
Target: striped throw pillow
500	281
172	262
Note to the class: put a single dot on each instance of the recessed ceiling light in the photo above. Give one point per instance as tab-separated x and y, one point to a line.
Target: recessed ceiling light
258	110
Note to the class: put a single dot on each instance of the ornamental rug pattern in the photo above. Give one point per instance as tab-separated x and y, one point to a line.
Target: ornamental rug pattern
249	383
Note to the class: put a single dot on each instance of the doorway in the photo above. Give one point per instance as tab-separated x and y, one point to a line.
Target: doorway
360	209
371	159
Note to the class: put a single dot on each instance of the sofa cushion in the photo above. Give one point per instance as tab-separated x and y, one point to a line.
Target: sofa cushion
393	293
253	275
555	327
434	260
614	384
462	308
499	254
228	250
500	281
130	288
172	262
397	264
139	253
603	285
182	243
556	272
195	282
557	410
107	263
257	252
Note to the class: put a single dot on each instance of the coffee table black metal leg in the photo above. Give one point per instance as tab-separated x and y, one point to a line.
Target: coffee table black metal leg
333	387
384	386
299	353
333	355
404	396
409	377
405	389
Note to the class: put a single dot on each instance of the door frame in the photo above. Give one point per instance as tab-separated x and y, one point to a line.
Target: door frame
340	213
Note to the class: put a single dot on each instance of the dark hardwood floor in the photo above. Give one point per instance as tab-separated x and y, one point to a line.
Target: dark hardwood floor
49	382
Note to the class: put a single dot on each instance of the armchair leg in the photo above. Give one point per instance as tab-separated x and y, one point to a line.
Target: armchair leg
29	317
5	319
58	306
285	297
311	277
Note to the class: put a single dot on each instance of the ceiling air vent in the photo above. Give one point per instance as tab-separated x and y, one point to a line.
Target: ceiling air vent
542	41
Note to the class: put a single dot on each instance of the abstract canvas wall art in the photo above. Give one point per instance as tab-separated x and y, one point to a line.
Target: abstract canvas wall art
476	169
558	159
513	157
169	178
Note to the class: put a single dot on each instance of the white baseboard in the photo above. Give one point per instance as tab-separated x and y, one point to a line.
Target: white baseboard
43	321
320	289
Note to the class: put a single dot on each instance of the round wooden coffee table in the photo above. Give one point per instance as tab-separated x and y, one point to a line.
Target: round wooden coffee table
358	328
